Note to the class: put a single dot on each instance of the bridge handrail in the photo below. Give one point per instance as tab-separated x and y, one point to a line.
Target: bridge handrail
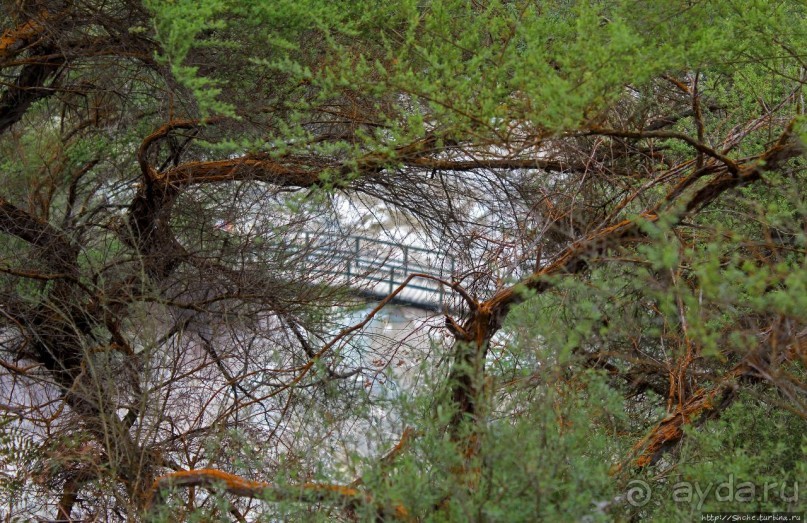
381	267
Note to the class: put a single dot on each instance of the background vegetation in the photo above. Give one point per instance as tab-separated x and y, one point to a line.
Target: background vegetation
620	184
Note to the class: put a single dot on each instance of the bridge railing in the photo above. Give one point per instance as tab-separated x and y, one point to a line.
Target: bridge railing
376	267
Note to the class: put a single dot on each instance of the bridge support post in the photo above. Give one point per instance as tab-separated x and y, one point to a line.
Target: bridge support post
440	297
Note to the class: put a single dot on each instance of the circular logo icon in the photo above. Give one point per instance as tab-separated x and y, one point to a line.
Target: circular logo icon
639	493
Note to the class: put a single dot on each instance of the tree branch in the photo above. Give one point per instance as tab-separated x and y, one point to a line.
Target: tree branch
348	497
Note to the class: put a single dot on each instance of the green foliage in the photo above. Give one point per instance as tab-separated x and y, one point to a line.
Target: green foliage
355	94
18	455
550	460
751	459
